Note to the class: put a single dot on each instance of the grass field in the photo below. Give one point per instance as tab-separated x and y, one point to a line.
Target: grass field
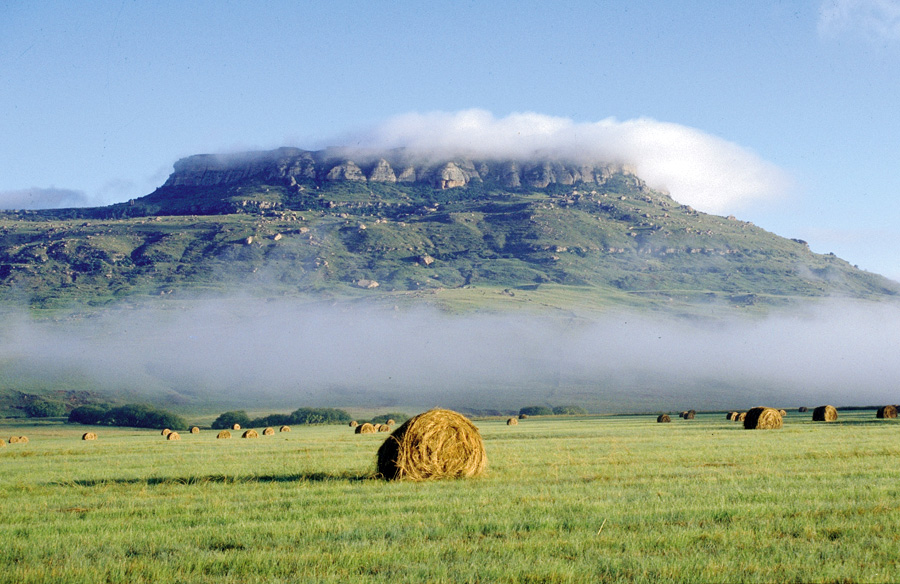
597	499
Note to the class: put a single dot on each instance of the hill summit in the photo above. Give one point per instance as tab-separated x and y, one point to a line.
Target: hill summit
393	226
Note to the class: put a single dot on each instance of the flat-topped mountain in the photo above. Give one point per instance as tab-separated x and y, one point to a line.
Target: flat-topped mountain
393	227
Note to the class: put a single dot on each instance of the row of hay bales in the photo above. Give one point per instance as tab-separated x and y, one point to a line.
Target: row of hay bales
224	434
369	428
15	440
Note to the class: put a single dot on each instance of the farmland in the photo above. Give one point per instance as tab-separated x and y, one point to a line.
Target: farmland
580	499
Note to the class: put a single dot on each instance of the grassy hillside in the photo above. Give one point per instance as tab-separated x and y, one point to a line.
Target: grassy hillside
591	246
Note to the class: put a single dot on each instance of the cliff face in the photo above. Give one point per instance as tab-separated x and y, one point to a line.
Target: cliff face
294	166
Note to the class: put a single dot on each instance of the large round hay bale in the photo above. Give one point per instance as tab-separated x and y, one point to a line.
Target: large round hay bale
437	444
886	412
512	422
365	428
390	422
166	432
236	427
384	428
88	436
824	414
354	423
741	417
269	432
223	434
13	439
173	436
284	429
763	419
663	418
250	434
803	409
195	430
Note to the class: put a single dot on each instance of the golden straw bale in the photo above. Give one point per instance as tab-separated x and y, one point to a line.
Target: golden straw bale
166	432
354	423
782	412
285	429
436	444
731	416
2	443
377	427
689	415
173	436
741	417
365	428
23	439
223	434
384	428
824	414
523	416
763	419
886	412
195	430
663	418
512	422
88	436
13	439
236	427
250	434
390	422
269	432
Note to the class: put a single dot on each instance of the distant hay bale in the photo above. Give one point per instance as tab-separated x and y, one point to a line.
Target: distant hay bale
782	412
512	422
2	443
236	427
173	436
354	424
663	418
88	436
13	439
741	417
731	416
824	414
690	414
166	432
523	416
803	409
284	429
18	440
195	430
436	444
223	434
887	412
390	422
683	415
365	428
250	434
269	432
377	427
384	428
763	419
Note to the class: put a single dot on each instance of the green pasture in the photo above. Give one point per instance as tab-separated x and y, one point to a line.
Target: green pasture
594	499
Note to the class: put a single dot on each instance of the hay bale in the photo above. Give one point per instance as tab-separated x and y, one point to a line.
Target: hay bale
663	418
2	443
269	432
250	434
354	423
763	419
390	422
512	422
689	415
223	434
173	436
824	414
436	444
13	439
885	412
166	432
377	427
384	428
88	436
195	430
523	416
365	428
803	409
23	439
284	429
236	427
683	415
731	416
782	412
741	417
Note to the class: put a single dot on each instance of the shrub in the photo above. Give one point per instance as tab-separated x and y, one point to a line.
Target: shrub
229	419
383	419
142	416
569	411
40	407
536	411
87	414
270	420
319	416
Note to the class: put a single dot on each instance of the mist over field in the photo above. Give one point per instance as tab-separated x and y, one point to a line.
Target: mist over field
256	354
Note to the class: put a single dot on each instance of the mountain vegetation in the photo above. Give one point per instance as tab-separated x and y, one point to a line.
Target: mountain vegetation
457	233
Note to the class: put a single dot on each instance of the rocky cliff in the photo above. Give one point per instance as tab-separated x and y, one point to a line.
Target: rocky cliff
296	166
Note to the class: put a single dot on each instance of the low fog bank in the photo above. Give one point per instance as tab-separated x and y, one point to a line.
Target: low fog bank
255	354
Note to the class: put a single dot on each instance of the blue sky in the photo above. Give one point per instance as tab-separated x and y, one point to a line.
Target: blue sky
785	111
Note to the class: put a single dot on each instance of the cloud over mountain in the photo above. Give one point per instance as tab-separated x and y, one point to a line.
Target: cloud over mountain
698	169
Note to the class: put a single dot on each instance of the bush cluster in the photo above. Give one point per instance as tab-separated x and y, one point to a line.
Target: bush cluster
40	407
131	415
554	411
297	417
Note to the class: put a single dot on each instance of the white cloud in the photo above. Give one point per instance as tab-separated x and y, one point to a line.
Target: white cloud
877	19
698	169
37	198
